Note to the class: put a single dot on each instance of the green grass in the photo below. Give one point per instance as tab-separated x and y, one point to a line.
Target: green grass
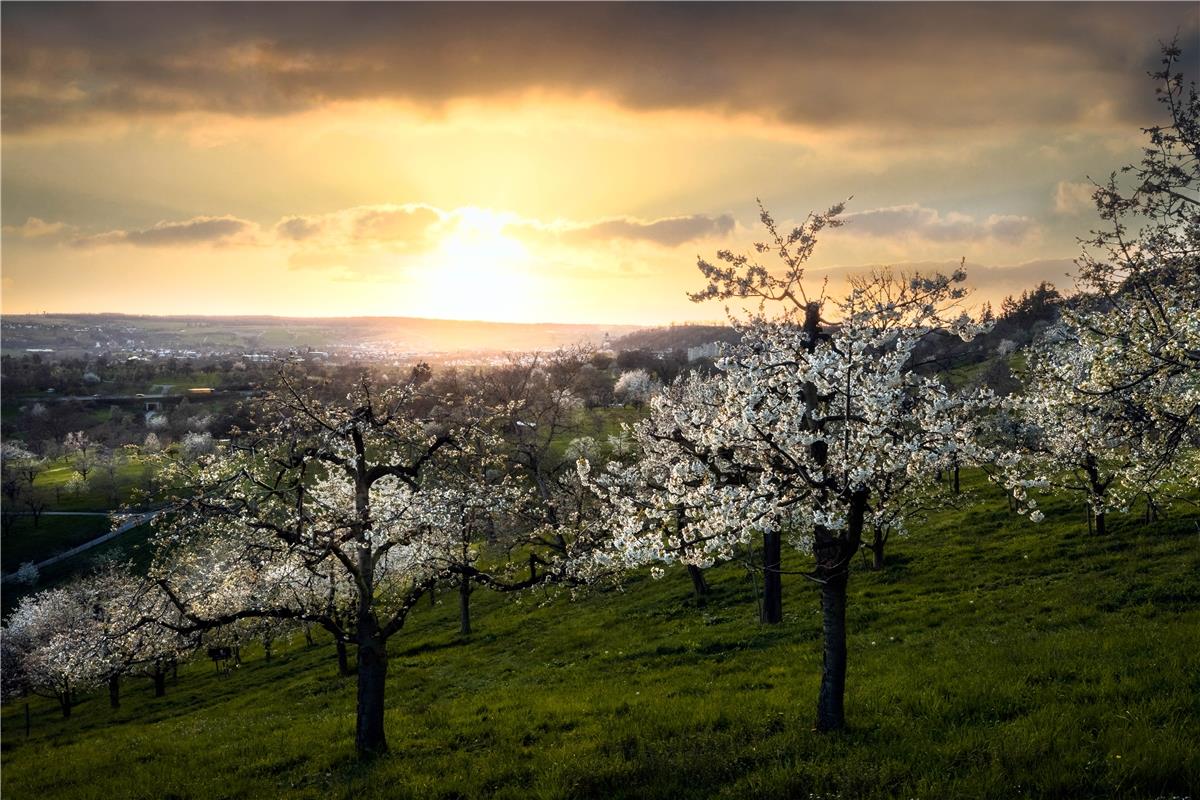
133	545
22	541
604	422
992	658
95	497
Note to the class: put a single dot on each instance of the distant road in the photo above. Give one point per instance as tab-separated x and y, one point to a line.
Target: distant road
125	526
133	398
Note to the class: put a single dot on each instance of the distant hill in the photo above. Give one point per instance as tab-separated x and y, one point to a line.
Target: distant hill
675	337
67	334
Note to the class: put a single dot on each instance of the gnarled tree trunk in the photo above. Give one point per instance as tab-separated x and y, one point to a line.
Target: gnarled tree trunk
114	691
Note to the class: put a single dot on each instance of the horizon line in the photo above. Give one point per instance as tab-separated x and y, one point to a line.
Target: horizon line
673	323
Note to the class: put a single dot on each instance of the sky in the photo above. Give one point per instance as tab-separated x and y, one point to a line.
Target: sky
549	162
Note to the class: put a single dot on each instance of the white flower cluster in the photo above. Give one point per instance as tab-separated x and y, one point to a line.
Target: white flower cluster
790	431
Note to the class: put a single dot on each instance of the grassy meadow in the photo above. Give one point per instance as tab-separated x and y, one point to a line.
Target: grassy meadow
991	658
53	488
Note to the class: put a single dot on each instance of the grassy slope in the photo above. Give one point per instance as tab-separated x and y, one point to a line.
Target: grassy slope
133	545
22	541
992	658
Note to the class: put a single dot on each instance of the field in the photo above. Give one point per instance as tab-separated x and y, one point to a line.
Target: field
991	658
96	495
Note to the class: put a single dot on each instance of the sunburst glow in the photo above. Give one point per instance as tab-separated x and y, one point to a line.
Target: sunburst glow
478	271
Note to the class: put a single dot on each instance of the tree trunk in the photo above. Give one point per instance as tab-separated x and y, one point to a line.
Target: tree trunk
114	691
160	682
877	553
699	584
772	613
1096	492
369	738
308	637
267	650
957	486
343	660
833	555
464	606
831	714
64	702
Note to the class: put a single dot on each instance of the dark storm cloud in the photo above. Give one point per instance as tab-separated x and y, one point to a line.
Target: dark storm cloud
907	65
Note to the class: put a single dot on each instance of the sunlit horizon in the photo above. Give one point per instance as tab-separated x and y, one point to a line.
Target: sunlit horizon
297	164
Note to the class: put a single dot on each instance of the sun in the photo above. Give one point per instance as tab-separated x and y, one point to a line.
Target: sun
478	271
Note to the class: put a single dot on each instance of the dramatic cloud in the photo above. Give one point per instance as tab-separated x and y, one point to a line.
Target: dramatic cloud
989	281
894	65
927	223
402	224
1074	198
198	230
35	228
415	227
297	229
669	232
399	225
318	239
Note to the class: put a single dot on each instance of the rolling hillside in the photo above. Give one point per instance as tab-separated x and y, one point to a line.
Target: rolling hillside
992	658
